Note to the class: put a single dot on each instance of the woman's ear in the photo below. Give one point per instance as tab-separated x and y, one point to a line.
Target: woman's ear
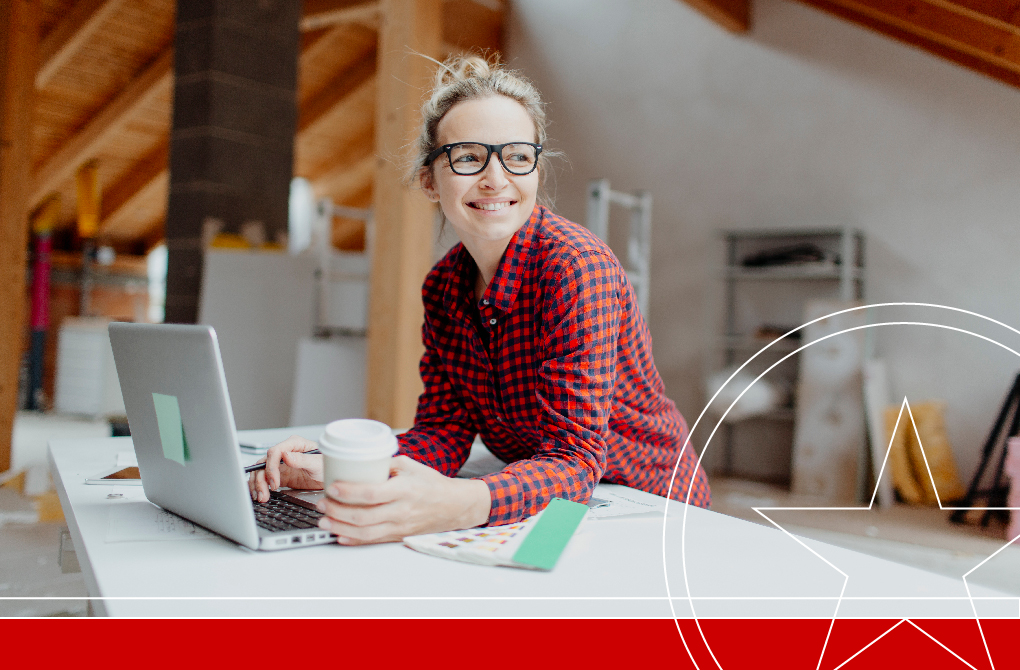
428	184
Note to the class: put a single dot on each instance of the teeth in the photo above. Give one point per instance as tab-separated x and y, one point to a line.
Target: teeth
491	205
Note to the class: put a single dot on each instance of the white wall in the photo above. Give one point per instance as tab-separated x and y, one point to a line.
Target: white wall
806	121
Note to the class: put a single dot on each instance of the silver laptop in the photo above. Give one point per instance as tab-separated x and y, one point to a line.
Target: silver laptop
183	431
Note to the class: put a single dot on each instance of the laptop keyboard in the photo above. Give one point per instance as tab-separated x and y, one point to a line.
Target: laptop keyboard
279	514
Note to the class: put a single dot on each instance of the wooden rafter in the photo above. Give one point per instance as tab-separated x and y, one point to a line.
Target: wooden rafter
67	37
155	80
352	173
315	18
342	85
122	198
733	15
1004	11
323	145
955	30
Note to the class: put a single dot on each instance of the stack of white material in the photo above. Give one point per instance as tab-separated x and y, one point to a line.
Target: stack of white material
829	436
86	374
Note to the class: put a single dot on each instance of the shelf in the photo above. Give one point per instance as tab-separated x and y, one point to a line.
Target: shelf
792	233
823	271
785	414
746	343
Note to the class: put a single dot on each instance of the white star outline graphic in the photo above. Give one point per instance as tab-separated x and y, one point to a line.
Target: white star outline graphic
905	406
722	418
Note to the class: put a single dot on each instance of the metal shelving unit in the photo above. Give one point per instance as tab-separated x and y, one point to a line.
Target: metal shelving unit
781	292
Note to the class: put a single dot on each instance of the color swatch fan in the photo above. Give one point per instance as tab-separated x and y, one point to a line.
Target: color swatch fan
533	544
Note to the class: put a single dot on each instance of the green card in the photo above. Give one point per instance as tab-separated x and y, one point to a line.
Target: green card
171	428
549	536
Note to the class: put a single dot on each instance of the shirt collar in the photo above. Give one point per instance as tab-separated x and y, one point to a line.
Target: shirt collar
506	283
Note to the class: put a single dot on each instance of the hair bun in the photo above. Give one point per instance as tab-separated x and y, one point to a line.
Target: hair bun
461	67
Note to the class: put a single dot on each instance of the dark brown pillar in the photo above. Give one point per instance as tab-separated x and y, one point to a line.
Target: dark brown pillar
231	144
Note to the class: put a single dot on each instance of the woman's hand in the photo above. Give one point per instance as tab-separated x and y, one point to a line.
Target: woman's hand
287	465
414	500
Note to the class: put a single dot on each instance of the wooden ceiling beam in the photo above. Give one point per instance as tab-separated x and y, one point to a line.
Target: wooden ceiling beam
733	15
1006	12
155	80
66	38
19	39
316	18
402	246
945	24
121	199
324	144
984	44
339	88
470	26
350	177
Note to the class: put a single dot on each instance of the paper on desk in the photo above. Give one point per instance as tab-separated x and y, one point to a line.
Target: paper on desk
621	503
127	459
141	521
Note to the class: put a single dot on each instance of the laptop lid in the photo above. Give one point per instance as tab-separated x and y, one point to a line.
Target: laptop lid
178	408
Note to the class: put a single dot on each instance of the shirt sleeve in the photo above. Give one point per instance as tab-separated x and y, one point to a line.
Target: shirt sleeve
580	322
443	428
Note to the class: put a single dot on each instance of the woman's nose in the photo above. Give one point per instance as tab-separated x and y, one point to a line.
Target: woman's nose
493	176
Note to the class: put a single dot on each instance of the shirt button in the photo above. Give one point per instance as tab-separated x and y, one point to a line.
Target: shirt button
492	322
499	418
485	301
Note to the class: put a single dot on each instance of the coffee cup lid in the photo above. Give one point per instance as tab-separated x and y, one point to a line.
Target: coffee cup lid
358	440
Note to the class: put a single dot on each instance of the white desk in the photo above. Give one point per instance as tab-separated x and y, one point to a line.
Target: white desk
612	568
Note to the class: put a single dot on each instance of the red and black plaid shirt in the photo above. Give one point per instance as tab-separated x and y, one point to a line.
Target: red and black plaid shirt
561	386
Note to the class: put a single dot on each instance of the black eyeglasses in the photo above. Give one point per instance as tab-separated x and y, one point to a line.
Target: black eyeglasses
519	158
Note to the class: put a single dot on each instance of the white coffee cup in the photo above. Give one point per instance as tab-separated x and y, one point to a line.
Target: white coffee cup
357	450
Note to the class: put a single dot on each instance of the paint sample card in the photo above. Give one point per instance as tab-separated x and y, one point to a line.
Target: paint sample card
501	545
549	535
171	428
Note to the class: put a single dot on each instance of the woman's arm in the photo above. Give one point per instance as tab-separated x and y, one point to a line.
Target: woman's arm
422	494
577	376
443	428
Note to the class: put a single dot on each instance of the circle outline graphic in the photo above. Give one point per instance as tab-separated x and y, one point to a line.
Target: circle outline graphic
690	433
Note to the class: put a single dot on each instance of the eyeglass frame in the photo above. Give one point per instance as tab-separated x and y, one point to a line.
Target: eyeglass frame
491	149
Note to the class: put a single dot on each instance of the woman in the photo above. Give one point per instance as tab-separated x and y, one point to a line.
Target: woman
532	338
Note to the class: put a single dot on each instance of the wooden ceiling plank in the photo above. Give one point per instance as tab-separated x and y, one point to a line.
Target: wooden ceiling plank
317	7
135	217
953	30
469	26
910	36
155	80
347	178
118	198
365	13
998	11
67	37
733	15
340	87
325	144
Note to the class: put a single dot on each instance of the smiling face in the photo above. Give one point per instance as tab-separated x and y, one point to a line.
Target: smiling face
487	208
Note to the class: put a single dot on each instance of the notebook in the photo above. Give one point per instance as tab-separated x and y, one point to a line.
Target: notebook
182	426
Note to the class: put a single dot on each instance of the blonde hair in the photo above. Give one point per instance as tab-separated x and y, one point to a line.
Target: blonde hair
472	77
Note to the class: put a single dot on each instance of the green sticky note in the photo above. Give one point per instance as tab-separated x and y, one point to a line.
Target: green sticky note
550	534
171	428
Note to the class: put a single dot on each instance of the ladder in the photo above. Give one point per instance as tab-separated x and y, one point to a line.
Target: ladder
639	237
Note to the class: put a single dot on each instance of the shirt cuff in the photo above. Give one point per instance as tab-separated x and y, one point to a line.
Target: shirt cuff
507	498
